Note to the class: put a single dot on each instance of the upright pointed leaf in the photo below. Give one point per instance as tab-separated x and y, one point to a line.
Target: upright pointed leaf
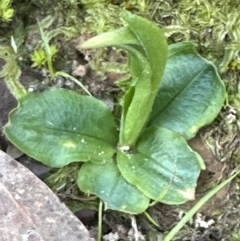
153	43
147	48
154	48
191	93
61	126
105	181
163	166
139	97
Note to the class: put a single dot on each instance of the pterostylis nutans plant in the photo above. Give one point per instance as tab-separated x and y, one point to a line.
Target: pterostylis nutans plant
171	93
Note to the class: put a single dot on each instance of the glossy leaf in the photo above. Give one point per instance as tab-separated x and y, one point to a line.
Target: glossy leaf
191	93
105	181
162	163
60	126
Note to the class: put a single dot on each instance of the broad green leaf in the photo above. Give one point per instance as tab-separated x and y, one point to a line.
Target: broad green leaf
61	126
162	163
105	181
191	93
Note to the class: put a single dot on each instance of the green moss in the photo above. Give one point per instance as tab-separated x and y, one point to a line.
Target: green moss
212	24
6	12
236	236
11	72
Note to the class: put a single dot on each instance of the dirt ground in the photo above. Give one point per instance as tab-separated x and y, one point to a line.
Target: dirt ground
217	143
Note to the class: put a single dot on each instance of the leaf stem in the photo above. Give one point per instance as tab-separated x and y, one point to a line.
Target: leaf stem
100	209
74	80
151	219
